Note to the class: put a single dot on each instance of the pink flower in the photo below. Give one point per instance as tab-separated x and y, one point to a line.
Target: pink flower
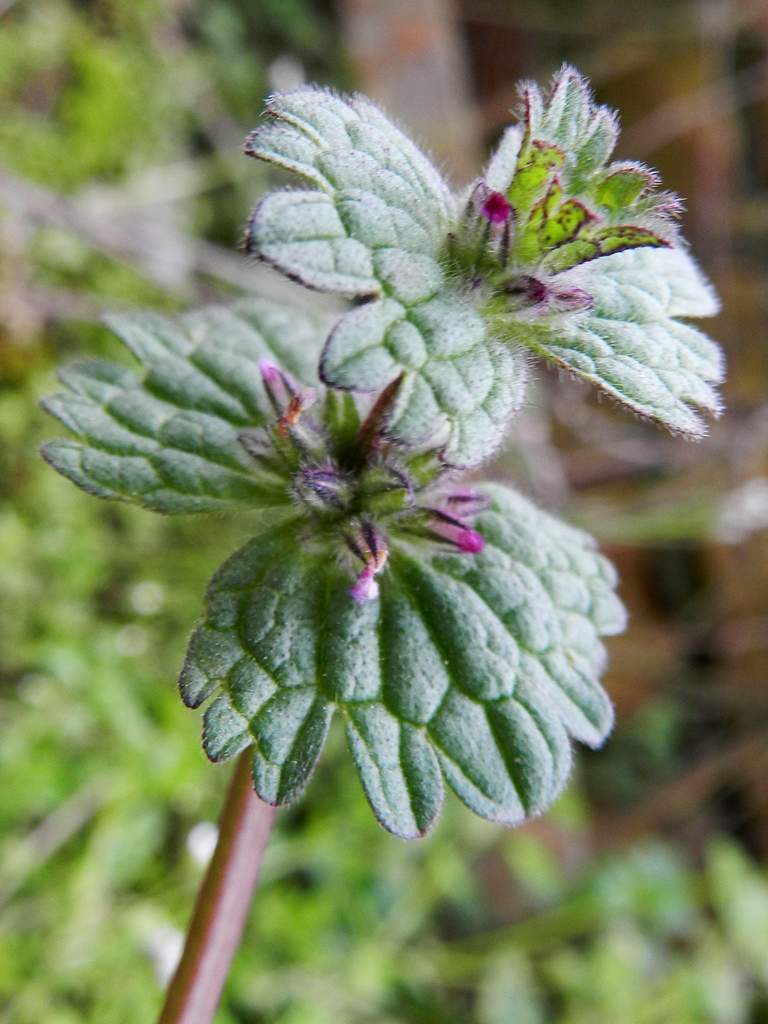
495	208
466	502
470	541
466	539
270	374
365	587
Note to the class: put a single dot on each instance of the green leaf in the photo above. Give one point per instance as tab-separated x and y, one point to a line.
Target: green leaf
459	382
571	206
569	118
302	234
500	169
630	344
473	669
621	186
386	191
167	438
375	227
602	242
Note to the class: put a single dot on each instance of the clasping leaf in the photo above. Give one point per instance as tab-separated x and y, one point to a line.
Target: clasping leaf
473	670
548	251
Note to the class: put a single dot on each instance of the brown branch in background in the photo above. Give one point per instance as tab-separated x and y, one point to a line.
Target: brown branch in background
405	50
684	114
222	903
685	793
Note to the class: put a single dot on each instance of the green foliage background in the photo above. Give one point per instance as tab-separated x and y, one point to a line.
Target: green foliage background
103	774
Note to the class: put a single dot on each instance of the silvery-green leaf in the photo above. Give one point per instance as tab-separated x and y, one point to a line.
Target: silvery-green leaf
374	226
569	118
473	669
460	384
501	167
630	344
301	234
386	192
166	437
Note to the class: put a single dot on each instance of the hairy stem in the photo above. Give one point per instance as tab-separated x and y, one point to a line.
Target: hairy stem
222	903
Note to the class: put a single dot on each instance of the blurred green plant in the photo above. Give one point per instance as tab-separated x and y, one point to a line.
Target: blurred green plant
96	873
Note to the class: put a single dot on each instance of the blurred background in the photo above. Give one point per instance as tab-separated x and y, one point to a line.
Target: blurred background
642	898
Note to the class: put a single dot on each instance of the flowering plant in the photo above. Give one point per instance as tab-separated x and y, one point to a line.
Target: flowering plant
456	629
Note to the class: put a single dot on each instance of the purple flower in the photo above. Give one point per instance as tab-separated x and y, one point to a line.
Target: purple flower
570	300
470	541
374	553
272	376
466	502
463	537
549	296
365	587
495	208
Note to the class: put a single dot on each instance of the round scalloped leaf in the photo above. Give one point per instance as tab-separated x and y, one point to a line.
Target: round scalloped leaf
460	385
475	670
373	226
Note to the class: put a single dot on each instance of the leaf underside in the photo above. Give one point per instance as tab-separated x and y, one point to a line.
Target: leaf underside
630	343
166	438
475	670
373	225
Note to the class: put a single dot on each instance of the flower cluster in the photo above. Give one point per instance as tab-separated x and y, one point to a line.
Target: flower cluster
555	249
353	483
481	659
549	202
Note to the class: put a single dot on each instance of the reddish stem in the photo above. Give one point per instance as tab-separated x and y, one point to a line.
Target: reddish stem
222	903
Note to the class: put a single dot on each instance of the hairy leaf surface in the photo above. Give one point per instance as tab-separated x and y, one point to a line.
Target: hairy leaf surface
631	344
166	437
374	225
475	670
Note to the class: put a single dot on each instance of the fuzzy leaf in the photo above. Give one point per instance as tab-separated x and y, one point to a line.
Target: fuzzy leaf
458	381
166	438
301	234
569	119
385	193
473	669
501	167
374	226
630	344
567	142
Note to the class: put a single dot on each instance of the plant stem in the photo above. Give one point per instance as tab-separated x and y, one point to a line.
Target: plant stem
222	903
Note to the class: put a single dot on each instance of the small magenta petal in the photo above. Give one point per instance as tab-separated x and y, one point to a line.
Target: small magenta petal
463	537
495	208
466	502
270	373
470	541
365	587
278	385
532	289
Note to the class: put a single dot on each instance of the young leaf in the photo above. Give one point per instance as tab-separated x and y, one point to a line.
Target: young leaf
375	226
445	277
475	669
167	438
569	118
630	344
457	381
